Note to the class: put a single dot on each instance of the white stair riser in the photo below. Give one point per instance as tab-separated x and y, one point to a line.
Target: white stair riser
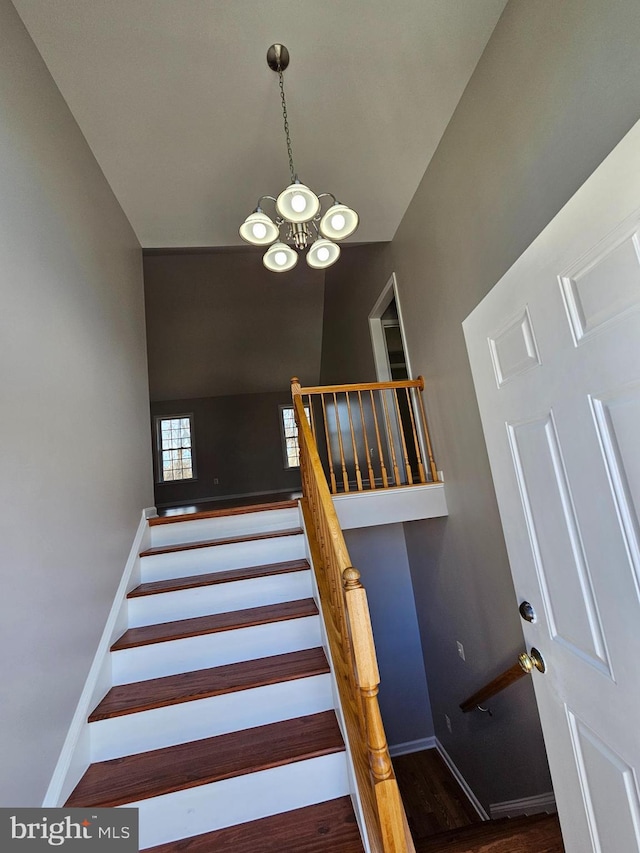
169	658
235	555
224	527
218	598
241	799
217	715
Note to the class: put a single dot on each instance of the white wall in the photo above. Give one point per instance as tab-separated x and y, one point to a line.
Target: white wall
555	90
236	328
74	422
380	555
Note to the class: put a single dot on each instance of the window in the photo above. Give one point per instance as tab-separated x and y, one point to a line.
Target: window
290	436
175	448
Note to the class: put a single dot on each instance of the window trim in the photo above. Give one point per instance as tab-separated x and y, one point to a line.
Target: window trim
158	449
289	407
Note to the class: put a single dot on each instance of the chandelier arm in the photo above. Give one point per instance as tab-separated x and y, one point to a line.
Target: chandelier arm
328	195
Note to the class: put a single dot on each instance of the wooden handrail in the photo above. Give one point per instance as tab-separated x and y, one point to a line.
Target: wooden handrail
360	386
505	679
350	638
386	430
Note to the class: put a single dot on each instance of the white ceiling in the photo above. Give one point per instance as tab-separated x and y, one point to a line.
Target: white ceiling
183	115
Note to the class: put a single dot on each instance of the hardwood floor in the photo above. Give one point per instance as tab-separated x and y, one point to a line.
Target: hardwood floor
107	784
316	829
535	834
442	820
215	507
433	800
206	683
217	622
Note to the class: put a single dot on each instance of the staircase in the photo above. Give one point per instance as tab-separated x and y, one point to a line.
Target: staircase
220	725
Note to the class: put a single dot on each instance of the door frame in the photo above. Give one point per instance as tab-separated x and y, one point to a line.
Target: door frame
380	356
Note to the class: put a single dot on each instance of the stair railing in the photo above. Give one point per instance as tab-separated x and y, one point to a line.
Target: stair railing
370	435
348	625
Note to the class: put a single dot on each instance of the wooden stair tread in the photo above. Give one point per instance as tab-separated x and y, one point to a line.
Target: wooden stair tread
212	624
328	827
211	543
204	683
187	765
538	833
193	581
221	512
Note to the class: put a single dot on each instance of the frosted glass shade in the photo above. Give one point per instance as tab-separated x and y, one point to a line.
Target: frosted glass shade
339	222
258	229
322	254
280	258
297	203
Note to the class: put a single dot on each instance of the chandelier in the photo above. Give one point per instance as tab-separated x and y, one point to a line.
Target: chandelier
298	210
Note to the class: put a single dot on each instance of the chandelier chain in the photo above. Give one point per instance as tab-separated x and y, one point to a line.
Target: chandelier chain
286	127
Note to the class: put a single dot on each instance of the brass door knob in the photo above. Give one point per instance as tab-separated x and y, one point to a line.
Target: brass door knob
531	661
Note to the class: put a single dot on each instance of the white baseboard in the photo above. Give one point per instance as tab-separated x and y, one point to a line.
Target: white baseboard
475	802
412	746
527	806
75	754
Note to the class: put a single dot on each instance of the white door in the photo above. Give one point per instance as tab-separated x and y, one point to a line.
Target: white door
555	355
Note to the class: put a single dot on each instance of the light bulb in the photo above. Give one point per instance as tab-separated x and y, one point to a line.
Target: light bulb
298	203
323	254
280	258
259	230
338	221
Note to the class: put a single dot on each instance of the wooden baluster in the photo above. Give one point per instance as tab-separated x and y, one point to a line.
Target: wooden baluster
432	464
372	479
312	417
383	469
345	476
353	444
332	476
394	464
416	442
407	466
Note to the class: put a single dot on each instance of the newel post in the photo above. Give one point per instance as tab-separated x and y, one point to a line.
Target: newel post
395	833
367	673
295	386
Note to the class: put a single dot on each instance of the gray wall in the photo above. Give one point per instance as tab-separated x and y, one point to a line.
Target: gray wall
219	323
554	91
380	555
76	469
228	447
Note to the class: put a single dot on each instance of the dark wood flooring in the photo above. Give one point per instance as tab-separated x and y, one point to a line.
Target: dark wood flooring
229	621
107	784
212	506
442	820
205	683
214	578
212	543
324	828
535	834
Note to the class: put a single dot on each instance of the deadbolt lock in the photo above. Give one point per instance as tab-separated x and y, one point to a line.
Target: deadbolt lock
527	612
